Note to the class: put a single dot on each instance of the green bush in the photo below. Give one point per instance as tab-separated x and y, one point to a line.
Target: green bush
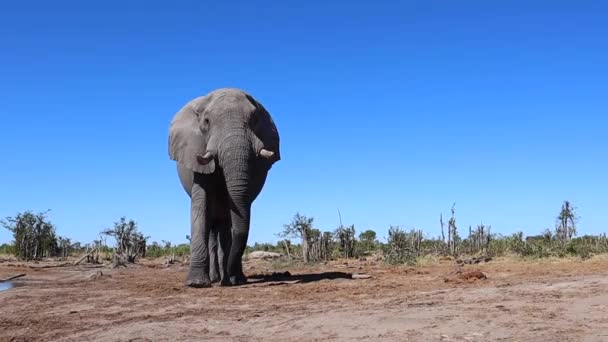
155	250
399	247
579	248
34	235
6	248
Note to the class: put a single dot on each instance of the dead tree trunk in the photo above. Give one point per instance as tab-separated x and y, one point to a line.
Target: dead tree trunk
441	223
287	248
305	251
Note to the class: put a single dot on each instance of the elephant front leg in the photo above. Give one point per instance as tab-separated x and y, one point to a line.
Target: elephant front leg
225	240
240	232
199	248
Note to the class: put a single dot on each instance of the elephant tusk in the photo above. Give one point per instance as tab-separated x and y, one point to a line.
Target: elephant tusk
266	154
206	159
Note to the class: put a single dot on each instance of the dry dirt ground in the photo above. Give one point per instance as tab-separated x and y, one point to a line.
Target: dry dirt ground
551	300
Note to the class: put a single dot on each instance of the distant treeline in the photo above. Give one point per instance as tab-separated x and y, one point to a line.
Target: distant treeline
406	246
35	238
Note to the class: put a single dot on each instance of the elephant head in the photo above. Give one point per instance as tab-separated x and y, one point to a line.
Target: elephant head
228	137
202	126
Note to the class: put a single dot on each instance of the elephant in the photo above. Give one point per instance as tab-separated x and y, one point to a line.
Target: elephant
224	144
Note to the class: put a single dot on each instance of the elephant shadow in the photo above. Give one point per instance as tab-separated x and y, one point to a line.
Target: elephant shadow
281	278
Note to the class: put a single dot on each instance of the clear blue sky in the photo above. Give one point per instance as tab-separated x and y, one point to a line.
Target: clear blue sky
388	111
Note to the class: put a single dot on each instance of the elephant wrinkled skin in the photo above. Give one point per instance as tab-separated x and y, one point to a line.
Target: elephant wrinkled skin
224	144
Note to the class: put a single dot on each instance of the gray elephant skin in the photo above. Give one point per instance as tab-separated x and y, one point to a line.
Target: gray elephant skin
224	144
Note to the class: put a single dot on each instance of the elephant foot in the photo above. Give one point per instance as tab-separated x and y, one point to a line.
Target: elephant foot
242	278
198	279
215	278
234	281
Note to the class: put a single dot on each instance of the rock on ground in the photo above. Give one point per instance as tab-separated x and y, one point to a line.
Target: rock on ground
264	255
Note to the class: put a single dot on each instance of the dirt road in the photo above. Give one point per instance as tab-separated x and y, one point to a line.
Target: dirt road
519	301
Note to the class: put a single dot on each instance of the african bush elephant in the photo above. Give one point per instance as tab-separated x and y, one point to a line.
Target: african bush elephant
224	144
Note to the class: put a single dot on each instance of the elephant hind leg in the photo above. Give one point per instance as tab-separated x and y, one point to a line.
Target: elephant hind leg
214	263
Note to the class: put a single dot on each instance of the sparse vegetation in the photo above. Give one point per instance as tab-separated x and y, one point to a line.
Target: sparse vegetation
367	243
346	241
403	247
35	238
301	227
407	247
566	223
7	248
130	243
156	250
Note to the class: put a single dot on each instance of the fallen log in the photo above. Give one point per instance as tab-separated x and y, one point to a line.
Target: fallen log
361	276
13	277
84	257
476	260
64	264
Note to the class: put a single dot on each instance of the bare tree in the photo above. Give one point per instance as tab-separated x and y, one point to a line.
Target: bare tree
345	236
300	227
327	245
130	243
64	247
314	245
441	223
479	239
453	231
566	222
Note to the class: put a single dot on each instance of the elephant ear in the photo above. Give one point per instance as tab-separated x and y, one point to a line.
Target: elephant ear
267	131
186	141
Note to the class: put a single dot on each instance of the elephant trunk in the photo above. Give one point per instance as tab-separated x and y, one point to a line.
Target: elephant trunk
236	155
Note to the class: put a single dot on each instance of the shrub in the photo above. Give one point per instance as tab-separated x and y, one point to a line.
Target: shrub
399	247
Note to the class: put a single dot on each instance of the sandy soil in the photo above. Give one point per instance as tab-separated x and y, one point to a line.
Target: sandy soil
519	301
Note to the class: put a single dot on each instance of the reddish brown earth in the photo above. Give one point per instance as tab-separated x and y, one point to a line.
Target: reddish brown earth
563	300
